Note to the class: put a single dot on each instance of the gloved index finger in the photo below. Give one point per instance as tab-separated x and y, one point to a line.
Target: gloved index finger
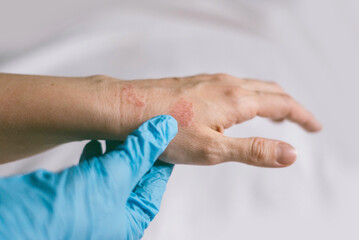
145	200
128	162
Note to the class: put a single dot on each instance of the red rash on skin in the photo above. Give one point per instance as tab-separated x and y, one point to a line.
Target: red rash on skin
129	93
182	111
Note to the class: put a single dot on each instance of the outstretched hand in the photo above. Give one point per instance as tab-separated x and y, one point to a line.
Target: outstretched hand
205	105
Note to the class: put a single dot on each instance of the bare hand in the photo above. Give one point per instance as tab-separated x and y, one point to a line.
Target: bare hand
205	105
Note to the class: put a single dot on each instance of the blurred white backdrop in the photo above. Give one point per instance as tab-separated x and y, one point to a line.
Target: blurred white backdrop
310	47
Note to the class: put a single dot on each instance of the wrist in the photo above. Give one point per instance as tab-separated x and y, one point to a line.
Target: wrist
104	110
130	103
124	103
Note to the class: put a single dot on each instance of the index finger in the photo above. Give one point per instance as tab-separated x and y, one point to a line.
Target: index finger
281	106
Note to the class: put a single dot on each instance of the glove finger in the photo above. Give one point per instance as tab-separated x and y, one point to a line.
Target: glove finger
92	149
128	162
144	202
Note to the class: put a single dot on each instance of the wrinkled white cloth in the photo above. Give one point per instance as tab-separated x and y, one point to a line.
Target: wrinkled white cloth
310	47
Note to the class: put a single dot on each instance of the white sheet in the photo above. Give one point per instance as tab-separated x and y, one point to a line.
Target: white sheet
309	47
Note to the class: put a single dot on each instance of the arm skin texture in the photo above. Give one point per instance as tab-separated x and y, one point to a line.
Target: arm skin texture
41	112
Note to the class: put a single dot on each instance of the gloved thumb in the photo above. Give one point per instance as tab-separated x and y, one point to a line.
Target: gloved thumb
129	161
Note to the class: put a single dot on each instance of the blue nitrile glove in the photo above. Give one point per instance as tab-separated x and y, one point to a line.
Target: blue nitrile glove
107	196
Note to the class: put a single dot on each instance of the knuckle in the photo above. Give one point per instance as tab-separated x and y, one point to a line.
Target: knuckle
203	74
221	76
257	152
251	113
275	84
247	80
176	79
287	103
249	109
233	92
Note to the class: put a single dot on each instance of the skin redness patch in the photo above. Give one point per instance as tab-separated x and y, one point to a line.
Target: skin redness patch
182	111
129	93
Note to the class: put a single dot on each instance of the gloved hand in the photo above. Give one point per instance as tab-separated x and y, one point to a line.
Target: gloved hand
107	196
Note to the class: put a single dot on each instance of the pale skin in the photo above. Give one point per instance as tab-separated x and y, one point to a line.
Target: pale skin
40	112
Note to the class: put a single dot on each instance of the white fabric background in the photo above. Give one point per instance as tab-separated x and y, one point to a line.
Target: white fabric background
310	47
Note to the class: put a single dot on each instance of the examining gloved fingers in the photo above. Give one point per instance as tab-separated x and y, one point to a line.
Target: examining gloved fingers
145	199
146	144
107	196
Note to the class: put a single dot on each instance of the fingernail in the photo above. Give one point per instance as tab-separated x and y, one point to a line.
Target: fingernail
285	154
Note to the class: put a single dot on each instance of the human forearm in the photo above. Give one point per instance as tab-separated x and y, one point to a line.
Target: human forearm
40	112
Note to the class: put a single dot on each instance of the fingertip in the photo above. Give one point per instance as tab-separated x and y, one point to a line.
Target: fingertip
314	127
163	127
312	124
171	128
285	154
262	152
318	126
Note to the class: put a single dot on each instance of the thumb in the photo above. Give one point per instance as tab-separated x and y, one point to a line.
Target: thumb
260	151
129	161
